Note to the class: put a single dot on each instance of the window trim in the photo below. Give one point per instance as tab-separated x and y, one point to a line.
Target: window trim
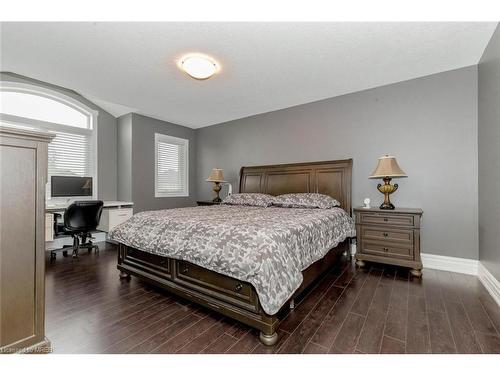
176	140
92	115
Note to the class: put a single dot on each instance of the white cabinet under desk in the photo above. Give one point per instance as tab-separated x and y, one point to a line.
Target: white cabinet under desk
113	214
49	227
111	217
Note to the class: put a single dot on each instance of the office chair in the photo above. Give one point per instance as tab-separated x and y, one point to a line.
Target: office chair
80	219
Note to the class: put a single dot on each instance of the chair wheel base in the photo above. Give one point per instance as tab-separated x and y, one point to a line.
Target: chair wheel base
80	242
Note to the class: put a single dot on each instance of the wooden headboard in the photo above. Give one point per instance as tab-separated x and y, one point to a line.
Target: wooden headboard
332	178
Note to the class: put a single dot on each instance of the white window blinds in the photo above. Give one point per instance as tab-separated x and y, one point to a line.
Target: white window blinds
171	166
71	154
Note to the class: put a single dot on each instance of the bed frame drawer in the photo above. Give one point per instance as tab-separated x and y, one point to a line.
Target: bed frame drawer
223	287
148	262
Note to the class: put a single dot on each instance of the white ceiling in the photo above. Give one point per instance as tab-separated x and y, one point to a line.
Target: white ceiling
126	67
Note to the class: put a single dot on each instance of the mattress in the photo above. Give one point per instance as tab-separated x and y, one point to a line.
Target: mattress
266	247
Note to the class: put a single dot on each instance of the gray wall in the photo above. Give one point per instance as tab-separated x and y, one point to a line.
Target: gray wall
106	137
141	169
489	155
124	145
429	124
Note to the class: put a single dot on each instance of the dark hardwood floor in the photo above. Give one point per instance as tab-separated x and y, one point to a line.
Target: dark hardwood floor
376	310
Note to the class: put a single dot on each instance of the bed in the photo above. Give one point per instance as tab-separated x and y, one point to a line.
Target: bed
248	263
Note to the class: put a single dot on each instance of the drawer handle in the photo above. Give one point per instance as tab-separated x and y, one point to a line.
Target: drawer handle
386	219
386	249
185	269
163	262
238	287
386	234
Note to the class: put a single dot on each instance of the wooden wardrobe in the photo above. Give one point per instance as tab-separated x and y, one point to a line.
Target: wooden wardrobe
23	167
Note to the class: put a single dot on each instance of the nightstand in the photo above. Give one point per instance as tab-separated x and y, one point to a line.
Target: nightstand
207	203
389	236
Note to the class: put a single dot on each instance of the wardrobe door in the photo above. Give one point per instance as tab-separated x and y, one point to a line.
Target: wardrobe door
18	243
23	166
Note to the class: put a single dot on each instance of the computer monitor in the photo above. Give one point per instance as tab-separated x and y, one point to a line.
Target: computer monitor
70	186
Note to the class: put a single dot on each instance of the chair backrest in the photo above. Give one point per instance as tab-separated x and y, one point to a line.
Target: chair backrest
83	215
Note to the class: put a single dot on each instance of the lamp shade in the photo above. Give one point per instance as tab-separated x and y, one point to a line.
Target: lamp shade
387	167
216	176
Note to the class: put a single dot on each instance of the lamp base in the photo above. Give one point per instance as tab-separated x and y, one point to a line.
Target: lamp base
216	189
387	189
387	206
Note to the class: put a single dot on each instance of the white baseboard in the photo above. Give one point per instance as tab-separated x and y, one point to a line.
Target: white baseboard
467	266
452	264
491	284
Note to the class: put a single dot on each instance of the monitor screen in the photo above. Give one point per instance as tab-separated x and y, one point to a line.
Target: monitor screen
71	186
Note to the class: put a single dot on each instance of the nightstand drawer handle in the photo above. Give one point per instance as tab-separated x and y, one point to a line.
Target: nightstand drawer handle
386	249
238	287
185	269
163	262
386	234
386	219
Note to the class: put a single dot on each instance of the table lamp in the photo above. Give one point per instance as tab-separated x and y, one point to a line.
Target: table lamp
217	178
387	169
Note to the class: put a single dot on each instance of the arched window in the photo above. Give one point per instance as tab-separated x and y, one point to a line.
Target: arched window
73	152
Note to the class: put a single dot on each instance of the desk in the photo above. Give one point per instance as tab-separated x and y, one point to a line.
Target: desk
113	213
51	208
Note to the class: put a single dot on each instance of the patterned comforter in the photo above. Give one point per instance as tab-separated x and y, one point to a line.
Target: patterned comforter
267	247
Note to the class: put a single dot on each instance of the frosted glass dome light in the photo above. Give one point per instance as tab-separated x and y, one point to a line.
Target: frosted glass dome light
199	66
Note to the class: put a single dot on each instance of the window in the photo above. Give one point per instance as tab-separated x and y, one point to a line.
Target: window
37	107
73	151
171	166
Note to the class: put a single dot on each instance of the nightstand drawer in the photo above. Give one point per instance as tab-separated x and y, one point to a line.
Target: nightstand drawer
387	249
393	235
387	219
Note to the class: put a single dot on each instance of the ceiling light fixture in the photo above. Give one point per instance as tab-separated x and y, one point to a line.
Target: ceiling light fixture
199	66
